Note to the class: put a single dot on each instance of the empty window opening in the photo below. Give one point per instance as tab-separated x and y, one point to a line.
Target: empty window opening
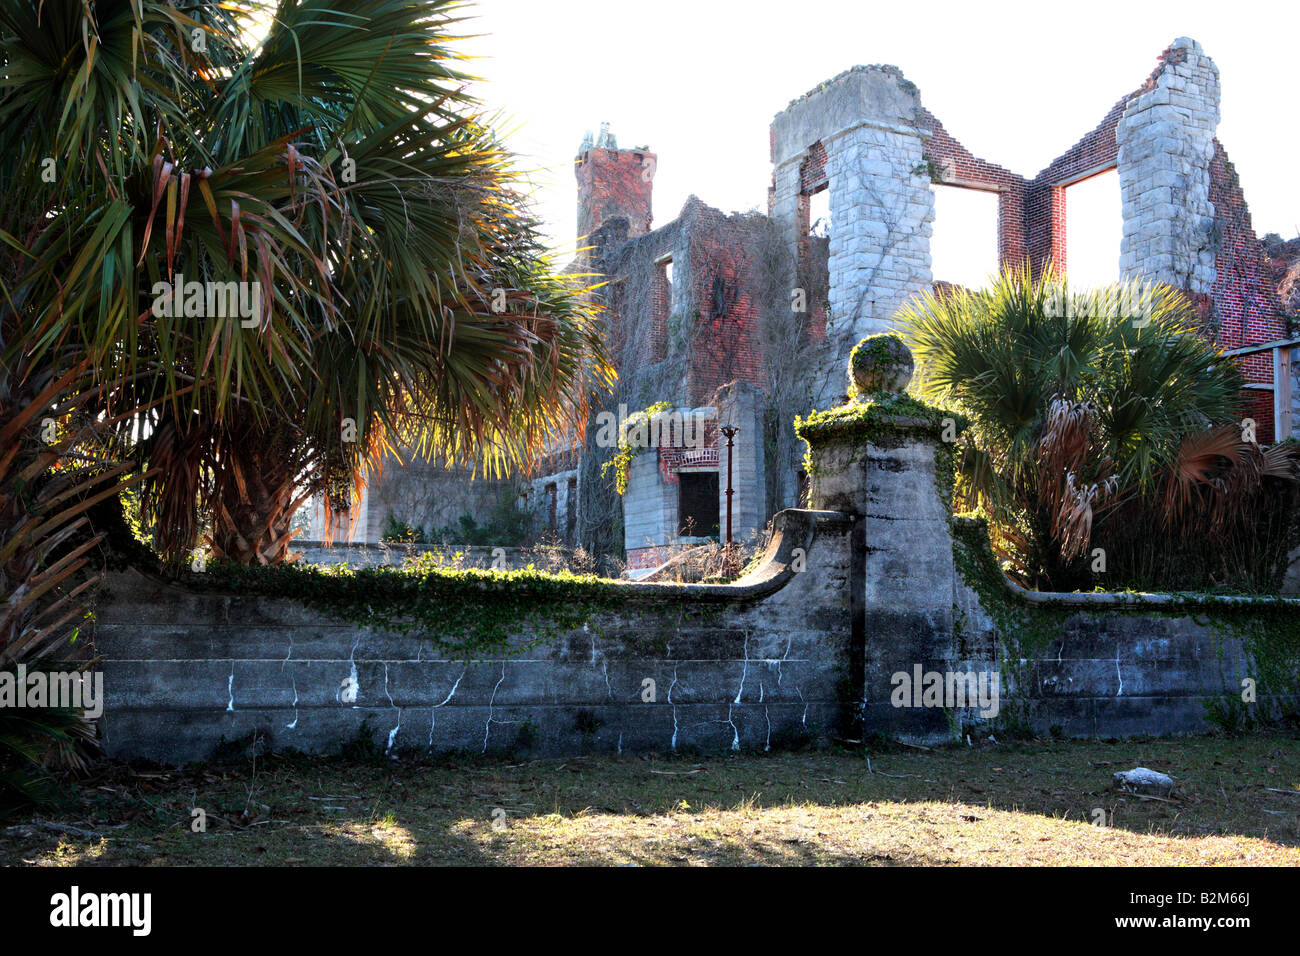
550	507
1094	226
665	267
697	504
819	213
964	244
662	305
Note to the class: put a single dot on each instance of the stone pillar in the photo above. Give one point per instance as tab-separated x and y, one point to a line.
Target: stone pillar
1166	143
880	458
881	217
741	405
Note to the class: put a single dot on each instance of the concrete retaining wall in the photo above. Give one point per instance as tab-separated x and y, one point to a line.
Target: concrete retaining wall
849	603
736	666
785	655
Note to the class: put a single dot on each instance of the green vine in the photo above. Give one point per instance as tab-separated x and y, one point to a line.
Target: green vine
464	612
628	446
1268	628
885	421
468	613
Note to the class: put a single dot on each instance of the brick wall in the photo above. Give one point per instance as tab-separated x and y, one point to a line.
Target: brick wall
1044	200
956	165
614	182
726	343
812	266
1245	303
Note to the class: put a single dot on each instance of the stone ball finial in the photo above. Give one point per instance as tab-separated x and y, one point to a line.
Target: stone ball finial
880	364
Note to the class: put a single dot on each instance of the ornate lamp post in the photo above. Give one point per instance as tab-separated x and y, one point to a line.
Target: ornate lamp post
730	432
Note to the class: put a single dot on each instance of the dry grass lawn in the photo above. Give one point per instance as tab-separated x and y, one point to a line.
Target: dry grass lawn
1024	803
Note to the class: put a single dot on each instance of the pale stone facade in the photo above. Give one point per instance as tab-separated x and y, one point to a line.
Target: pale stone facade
1166	143
868	121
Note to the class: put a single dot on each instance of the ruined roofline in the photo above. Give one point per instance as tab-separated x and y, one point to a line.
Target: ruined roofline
1176	52
887	68
985	167
638	151
1172	55
691	209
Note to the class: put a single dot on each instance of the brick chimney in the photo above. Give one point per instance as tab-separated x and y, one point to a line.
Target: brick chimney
613	182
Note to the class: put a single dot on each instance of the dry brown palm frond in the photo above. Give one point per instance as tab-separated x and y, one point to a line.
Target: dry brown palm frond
1067	453
1074	519
1067	432
48	485
1281	461
1064	449
178	459
1197	475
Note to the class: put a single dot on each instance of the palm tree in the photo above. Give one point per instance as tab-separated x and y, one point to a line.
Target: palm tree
341	165
340	172
52	473
1092	414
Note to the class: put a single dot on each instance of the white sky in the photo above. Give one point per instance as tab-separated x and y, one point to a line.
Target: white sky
699	81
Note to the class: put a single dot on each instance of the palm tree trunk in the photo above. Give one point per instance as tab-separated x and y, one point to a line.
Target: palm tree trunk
255	503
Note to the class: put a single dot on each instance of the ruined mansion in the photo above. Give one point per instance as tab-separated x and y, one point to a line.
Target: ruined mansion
746	320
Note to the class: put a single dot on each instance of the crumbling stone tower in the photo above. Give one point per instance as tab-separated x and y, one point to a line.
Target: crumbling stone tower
861	136
1165	141
613	182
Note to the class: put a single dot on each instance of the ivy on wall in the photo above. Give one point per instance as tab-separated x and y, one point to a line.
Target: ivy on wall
466	613
1268	627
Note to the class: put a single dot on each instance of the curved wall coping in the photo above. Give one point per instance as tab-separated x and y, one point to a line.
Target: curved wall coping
1138	598
792	529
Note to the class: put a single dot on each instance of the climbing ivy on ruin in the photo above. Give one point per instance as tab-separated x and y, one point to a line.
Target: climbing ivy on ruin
628	446
1267	627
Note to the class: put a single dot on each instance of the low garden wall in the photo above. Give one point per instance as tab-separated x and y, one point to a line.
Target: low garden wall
461	556
593	665
878	612
800	649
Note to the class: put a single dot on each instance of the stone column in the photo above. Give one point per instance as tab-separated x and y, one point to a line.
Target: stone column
867	120
1166	144
881	458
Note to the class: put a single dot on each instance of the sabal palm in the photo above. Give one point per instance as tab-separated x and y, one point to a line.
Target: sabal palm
1078	402
343	166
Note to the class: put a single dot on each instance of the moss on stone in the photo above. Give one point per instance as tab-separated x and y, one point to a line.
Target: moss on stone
463	612
885	421
879	365
1268	628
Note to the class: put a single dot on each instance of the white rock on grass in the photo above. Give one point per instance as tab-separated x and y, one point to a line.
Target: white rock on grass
1142	780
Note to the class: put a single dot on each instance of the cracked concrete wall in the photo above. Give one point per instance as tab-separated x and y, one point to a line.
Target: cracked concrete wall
185	671
1166	144
873	591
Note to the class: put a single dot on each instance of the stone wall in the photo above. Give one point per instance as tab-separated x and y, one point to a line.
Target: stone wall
456	556
868	125
418	493
738	666
877	584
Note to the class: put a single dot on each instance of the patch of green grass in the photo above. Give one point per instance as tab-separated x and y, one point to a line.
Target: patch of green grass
1022	803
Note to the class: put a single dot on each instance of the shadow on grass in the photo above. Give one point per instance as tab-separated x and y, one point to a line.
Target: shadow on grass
1024	803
